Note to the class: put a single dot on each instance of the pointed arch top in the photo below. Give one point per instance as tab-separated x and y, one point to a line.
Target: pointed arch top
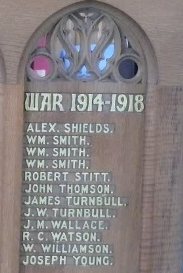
122	20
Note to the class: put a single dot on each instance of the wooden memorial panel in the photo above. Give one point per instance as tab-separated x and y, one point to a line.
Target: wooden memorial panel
83	145
82	177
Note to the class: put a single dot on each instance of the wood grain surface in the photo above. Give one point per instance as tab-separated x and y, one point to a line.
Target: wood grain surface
121	153
160	234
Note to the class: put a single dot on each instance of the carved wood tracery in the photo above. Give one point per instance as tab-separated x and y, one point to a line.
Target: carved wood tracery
88	45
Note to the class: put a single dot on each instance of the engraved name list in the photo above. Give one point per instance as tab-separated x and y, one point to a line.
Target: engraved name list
68	203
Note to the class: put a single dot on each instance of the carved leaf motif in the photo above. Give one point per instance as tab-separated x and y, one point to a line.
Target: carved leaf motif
87	45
